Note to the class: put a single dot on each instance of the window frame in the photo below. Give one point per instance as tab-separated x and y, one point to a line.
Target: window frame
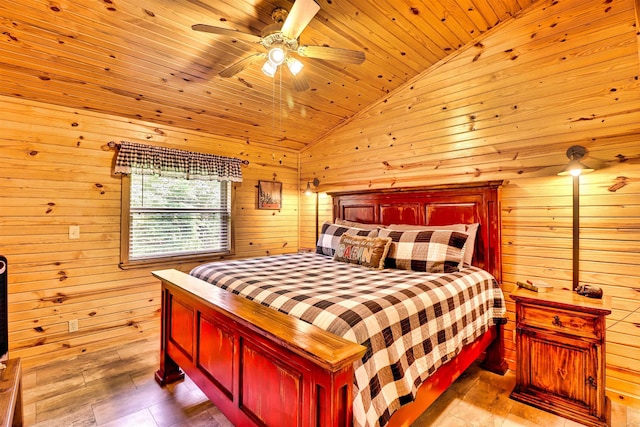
125	233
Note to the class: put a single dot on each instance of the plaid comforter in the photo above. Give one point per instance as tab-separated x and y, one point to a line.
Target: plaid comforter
410	322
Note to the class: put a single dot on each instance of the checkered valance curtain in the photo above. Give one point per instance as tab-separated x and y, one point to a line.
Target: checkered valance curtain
151	160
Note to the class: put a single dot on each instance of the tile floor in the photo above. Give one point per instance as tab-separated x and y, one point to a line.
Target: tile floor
116	389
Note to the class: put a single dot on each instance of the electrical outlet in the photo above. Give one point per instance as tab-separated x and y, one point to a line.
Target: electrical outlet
74	232
73	325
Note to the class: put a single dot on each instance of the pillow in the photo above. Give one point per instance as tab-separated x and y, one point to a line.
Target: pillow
330	236
358	224
472	231
366	251
403	227
433	251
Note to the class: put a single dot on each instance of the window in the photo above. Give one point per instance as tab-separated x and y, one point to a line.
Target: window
174	218
176	204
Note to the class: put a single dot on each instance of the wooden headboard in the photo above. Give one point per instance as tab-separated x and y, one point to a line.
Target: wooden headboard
442	205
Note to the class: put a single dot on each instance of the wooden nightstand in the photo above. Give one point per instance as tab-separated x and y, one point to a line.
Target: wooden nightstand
560	344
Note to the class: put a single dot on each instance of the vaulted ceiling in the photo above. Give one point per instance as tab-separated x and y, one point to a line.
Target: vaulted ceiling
141	59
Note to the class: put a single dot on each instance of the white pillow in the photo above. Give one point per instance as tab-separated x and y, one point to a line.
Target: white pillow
472	231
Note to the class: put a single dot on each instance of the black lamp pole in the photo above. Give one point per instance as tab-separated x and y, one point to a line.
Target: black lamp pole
576	232
576	168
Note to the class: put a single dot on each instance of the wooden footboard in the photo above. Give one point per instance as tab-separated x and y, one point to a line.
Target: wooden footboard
258	366
264	368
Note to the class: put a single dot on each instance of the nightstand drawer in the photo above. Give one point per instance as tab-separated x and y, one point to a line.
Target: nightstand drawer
569	322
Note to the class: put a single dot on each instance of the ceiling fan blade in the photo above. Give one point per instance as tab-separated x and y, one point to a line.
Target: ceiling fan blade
302	12
241	65
226	32
300	82
332	54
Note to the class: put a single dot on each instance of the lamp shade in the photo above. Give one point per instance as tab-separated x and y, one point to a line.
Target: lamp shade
269	68
294	65
575	167
276	55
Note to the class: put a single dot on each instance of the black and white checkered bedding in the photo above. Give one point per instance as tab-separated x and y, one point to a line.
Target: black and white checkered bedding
410	322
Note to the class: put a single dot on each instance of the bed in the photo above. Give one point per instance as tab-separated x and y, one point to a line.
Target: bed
265	366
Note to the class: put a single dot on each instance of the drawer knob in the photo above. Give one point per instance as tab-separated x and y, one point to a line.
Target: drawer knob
557	321
592	382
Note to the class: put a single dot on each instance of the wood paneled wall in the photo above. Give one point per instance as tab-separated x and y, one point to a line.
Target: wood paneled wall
508	108
564	73
56	171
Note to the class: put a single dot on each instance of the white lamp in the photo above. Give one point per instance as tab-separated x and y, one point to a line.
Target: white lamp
276	55
269	68
294	65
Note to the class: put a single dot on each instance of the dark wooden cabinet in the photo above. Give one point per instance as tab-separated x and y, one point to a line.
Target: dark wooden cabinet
560	343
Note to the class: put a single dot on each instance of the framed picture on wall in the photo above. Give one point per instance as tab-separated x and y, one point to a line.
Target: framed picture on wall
269	195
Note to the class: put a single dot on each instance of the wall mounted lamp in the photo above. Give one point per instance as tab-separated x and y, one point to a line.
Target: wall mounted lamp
308	192
575	168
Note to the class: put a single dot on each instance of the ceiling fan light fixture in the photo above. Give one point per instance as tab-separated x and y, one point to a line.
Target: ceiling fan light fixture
276	55
282	38
269	68
294	65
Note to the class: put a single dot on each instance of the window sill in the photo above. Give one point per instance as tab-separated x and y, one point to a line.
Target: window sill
163	262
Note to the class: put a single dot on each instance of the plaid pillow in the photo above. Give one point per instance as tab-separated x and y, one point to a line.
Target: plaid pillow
330	236
366	251
470	229
437	251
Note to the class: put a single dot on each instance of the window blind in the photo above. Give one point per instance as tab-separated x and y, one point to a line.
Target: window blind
173	217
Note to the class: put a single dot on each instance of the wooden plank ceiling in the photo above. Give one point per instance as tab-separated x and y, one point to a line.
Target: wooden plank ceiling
140	59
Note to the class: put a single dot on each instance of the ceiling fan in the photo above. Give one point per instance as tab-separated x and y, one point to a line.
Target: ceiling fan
281	39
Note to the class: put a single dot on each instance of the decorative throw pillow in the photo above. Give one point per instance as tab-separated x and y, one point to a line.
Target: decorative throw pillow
366	251
437	251
330	236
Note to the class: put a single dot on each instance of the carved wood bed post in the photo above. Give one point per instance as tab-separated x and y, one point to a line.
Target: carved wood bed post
494	360
169	371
